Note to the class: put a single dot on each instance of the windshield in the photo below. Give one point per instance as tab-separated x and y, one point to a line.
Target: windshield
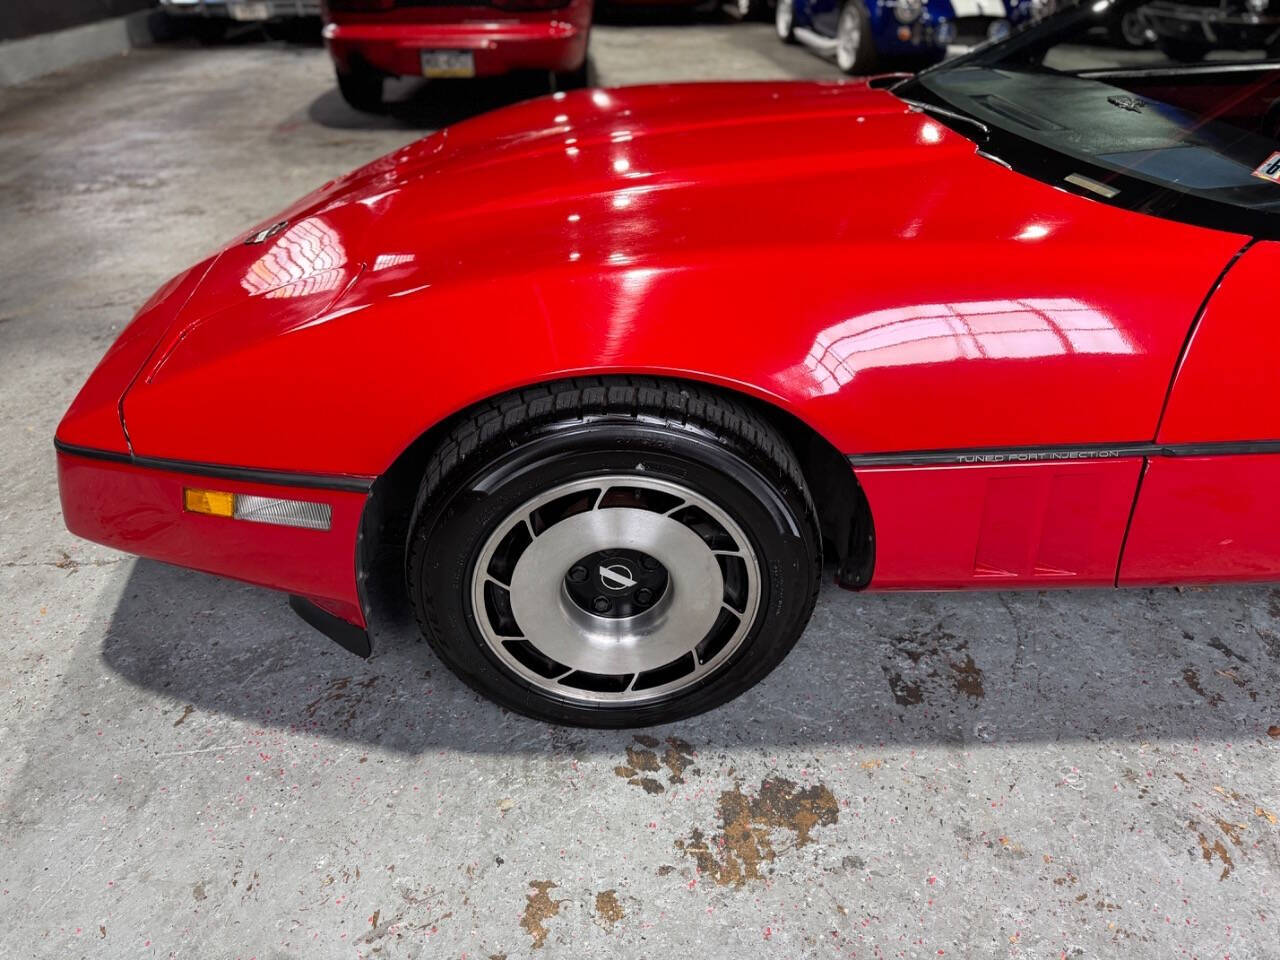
1169	107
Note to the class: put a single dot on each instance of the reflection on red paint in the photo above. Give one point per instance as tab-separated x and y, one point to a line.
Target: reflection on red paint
301	261
942	332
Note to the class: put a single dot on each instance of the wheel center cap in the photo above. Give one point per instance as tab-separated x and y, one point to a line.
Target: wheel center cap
616	583
617	576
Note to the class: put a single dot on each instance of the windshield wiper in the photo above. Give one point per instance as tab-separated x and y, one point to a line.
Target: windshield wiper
944	112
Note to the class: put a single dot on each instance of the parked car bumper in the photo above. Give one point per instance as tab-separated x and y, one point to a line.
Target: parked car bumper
497	46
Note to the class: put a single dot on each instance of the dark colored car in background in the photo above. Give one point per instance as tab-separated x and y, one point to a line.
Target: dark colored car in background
370	40
1187	30
1123	25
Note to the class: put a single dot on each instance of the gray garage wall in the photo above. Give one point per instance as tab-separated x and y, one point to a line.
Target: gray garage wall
44	36
26	18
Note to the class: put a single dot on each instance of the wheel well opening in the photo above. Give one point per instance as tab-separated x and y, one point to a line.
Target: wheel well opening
843	512
844	515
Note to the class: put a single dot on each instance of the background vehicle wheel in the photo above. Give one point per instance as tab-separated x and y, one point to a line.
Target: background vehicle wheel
1129	31
784	20
573	79
362	89
855	52
613	553
1184	51
750	9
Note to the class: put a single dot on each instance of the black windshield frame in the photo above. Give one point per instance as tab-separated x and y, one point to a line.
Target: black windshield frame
1024	49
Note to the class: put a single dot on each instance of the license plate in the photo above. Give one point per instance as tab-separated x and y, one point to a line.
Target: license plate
249	11
448	63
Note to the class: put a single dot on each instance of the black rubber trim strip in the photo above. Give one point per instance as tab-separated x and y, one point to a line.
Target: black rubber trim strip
346	635
981	455
1191	331
1133	512
278	478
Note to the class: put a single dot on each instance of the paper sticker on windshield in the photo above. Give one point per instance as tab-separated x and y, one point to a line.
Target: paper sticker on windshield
1270	169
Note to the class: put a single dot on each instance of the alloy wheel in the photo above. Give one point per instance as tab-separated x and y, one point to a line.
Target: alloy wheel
783	17
848	37
618	589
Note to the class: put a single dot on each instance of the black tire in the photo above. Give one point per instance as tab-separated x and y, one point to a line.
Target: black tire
207	31
362	89
1128	31
1184	51
573	79
784	20
861	58
511	449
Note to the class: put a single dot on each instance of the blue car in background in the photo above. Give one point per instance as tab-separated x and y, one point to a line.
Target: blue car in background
862	34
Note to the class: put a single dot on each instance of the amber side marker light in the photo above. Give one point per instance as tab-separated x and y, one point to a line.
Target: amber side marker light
243	506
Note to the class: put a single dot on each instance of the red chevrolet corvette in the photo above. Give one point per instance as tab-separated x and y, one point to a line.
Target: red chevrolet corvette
603	372
370	40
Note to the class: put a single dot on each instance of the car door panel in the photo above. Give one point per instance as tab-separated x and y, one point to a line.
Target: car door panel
1203	519
1227	388
1215	517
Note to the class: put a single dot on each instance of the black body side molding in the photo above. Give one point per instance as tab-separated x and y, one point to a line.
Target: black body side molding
346	635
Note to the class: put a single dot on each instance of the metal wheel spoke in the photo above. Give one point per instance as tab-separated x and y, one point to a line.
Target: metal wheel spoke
618	592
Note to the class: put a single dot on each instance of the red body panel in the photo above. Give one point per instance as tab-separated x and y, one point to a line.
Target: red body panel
500	40
94	418
819	246
1203	519
1228	387
679	230
139	510
1215	518
1047	524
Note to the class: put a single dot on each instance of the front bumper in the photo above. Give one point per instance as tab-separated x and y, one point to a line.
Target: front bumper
113	499
497	46
244	10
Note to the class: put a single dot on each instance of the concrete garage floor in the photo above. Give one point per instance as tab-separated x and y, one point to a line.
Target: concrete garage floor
189	771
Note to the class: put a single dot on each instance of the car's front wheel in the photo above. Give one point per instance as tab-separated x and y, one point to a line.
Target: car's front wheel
613	553
855	51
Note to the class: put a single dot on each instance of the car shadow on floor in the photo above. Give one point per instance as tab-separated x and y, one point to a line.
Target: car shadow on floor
963	669
414	104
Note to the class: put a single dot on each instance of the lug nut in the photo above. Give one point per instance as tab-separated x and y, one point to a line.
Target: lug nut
601	605
644	596
578	574
649	563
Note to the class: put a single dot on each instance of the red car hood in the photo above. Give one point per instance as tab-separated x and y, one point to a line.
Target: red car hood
587	177
784	235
